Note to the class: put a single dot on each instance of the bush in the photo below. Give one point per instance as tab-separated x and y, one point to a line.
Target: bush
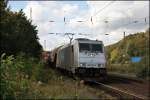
138	69
16	73
143	72
13	80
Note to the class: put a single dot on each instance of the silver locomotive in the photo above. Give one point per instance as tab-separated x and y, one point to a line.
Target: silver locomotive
82	57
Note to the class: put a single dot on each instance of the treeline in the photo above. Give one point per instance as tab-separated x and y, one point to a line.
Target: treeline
20	50
119	55
17	34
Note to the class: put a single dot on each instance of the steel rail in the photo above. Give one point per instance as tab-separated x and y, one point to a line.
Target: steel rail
119	76
122	94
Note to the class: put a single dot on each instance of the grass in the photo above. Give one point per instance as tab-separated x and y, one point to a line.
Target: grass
62	87
27	78
133	69
121	68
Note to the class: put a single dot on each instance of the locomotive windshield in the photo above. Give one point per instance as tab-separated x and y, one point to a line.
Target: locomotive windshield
96	47
84	47
90	47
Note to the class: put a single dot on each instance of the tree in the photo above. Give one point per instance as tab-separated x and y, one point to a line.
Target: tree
17	33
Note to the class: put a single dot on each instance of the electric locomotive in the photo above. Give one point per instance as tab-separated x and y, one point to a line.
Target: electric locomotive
82	57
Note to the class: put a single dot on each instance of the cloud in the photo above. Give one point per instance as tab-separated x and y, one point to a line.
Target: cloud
107	17
68	9
120	15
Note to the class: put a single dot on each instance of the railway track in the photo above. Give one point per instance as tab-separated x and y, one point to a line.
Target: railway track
120	93
125	77
115	91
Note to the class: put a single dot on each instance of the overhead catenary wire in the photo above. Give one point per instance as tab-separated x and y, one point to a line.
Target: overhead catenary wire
103	8
98	12
73	4
133	21
106	21
107	6
91	20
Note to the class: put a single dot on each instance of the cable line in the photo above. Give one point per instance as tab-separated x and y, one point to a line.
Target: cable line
103	8
91	19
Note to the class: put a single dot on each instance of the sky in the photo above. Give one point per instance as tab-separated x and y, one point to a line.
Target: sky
94	19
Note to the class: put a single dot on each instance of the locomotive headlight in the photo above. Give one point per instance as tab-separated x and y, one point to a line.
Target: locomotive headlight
101	65
82	64
93	54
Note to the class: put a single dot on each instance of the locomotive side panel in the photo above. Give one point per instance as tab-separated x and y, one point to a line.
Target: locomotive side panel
65	58
76	54
60	58
68	57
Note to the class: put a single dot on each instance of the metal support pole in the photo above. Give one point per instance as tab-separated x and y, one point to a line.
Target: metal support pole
124	34
31	13
45	44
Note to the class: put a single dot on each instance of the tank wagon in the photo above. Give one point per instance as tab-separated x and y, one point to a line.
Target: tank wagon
83	57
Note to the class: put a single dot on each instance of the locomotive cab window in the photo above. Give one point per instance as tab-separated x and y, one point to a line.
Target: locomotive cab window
84	47
97	48
90	47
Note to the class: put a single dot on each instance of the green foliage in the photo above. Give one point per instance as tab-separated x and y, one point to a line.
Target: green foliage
119	55
39	73
24	77
11	78
15	75
114	55
143	68
17	33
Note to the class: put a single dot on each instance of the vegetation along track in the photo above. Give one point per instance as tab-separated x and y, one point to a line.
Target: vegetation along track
122	88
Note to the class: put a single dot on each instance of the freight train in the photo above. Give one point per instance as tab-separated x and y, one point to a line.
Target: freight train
81	57
46	58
